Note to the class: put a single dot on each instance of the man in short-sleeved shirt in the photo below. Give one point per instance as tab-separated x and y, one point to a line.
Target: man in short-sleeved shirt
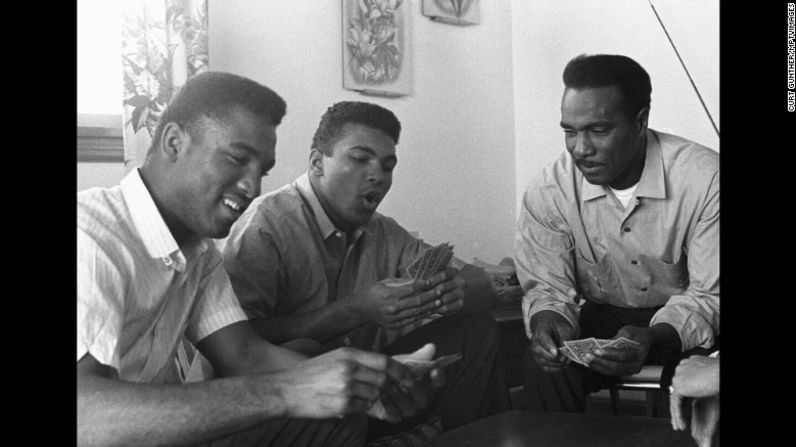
133	325
313	264
148	272
618	238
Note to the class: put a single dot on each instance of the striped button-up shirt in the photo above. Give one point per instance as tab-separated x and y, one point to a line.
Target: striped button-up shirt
137	291
662	250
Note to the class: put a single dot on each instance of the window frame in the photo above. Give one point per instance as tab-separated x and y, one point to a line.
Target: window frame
99	138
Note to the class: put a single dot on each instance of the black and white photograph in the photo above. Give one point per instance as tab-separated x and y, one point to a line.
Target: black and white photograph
392	223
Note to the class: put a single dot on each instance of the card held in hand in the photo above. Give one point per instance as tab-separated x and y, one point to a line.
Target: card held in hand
431	262
582	347
622	343
568	354
422	367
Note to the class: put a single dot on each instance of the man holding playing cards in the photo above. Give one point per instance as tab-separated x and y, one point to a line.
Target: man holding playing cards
617	247
316	267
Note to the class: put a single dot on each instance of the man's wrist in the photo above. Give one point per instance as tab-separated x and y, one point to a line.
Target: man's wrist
270	390
664	336
350	312
547	317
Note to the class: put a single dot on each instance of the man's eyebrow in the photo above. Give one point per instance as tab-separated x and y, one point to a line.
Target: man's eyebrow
253	152
588	126
245	147
372	152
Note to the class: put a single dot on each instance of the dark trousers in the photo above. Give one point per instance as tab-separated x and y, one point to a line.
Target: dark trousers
347	432
474	386
566	391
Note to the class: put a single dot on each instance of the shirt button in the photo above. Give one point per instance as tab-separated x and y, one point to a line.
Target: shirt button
347	341
626	229
643	289
338	235
634	262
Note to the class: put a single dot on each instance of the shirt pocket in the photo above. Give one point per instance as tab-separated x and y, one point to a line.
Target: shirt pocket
672	275
588	276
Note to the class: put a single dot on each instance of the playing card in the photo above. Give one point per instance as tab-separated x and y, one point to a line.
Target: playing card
438	261
422	367
431	262
622	343
604	342
568	353
582	347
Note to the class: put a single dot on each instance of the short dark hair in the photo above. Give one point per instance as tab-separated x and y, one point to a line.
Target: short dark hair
355	112
606	70
214	94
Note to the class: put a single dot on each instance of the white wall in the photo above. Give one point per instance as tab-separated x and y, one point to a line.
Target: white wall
548	33
483	118
455	177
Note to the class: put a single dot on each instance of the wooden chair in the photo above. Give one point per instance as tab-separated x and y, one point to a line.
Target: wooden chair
647	380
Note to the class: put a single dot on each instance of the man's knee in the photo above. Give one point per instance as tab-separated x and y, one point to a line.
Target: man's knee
482	327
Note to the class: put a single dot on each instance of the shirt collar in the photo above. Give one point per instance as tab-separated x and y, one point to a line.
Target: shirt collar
652	183
325	224
151	227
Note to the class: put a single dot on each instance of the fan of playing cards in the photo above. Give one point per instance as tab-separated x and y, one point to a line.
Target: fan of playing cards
576	349
431	262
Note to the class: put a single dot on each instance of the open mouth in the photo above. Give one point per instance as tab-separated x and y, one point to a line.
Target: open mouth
588	164
235	206
372	198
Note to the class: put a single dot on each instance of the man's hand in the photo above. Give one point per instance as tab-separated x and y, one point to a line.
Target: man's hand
696	380
453	287
550	330
393	303
396	402
621	362
696	376
345	381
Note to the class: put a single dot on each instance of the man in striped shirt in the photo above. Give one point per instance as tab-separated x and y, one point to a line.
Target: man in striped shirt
147	274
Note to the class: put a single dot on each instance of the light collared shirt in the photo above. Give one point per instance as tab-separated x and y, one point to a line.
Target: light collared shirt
137	291
662	250
285	257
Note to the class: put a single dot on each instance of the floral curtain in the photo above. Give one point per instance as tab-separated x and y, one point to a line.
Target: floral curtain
164	42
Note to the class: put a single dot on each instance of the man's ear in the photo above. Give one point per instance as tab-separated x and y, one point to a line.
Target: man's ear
316	162
642	118
173	141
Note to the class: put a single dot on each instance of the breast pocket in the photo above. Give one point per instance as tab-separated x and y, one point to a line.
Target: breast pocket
588	275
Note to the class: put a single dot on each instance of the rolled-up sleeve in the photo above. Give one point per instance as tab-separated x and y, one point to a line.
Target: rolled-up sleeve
100	302
695	312
543	250
216	305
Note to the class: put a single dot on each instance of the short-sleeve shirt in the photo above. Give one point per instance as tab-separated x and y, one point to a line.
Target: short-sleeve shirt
285	257
662	250
137	290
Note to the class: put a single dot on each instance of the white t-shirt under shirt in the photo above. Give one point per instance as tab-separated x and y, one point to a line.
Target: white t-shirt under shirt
137	290
624	195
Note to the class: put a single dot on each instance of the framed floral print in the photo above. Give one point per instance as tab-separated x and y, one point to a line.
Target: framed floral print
456	12
377	57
